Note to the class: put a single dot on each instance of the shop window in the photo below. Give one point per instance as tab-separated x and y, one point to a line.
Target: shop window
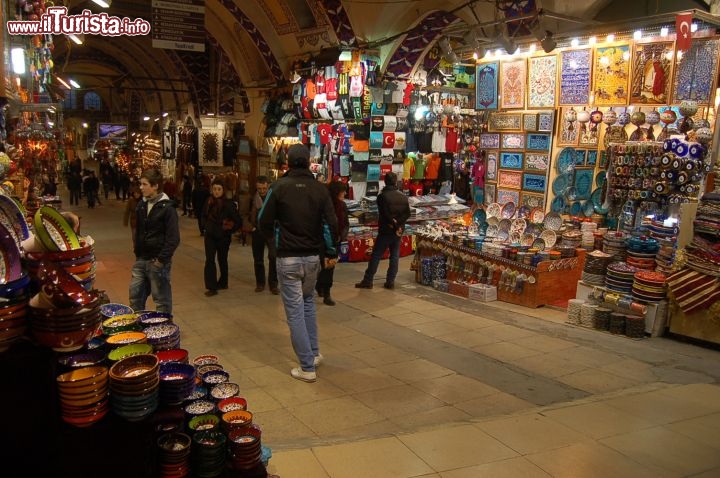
92	101
70	101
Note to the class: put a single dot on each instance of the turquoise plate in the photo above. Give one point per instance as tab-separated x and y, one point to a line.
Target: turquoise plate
565	161
600	179
576	209
558	204
588	208
559	184
479	216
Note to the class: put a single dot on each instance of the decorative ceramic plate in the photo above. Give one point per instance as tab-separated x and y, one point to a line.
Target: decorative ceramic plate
583	184
553	221
54	231
537	215
505	225
508	210
524	212
479	216
527	239
492	221
518	225
557	205
588	208
492	230
538	244
515	237
576	209
565	161
600	178
595	197
503	236
549	237
493	210
560	183
11	215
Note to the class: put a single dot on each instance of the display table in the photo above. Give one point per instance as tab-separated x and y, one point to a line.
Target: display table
548	282
701	325
359	249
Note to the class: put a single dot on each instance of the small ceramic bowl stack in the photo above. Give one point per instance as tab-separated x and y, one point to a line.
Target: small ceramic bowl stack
208	453
148	318
83	395
134	387
587	240
14	310
596	263
574	311
572	238
177	381
174	456
620	277
245	448
614	244
649	286
642	252
164	336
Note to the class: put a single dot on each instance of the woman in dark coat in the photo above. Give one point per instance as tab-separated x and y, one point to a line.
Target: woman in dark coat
221	220
324	282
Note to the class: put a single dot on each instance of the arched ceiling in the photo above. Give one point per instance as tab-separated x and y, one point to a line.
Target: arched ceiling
251	43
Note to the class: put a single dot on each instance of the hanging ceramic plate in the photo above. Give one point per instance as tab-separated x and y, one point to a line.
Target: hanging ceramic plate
565	162
524	212
560	183
588	208
492	231
493	210
492	221
537	215
479	216
600	178
570	193
557	205
515	237
549	237
503	236
553	221
583	184
518	226
504	225
508	210
527	239
538	244
576	209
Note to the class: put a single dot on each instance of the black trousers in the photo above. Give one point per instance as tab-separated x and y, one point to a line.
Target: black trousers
216	248
259	243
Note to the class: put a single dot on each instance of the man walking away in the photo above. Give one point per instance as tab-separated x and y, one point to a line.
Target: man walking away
259	242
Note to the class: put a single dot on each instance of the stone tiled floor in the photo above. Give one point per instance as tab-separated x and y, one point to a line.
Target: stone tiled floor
418	383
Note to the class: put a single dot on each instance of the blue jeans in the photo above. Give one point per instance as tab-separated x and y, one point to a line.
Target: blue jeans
296	278
383	242
149	279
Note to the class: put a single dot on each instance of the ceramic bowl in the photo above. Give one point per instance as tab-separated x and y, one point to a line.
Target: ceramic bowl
232	404
128	351
126	338
199	407
86	359
134	367
224	390
60	288
205	359
113	309
148	318
15	288
174	443
236	419
173	355
214	377
204	423
208	367
82	377
63	341
120	323
244	435
175	371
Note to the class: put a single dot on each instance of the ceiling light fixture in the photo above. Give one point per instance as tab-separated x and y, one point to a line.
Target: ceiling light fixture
165	115
77	38
64	83
103	3
146	118
17	56
74	83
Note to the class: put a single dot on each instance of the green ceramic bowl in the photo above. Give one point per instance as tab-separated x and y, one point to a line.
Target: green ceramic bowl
129	350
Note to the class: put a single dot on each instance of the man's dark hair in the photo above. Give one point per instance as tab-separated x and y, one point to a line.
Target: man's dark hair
390	179
298	156
262	180
336	187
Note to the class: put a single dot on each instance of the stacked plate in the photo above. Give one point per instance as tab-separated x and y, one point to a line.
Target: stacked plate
164	336
134	383
614	244
620	277
177	381
596	263
13	311
574	311
83	395
63	329
587	312
572	238
649	286
245	449
587	240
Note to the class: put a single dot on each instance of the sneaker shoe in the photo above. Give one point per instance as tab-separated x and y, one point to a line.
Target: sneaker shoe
389	285
363	285
211	292
327	300
301	374
274	290
318	359
259	288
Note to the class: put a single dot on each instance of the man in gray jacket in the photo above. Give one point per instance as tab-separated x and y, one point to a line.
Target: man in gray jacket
298	213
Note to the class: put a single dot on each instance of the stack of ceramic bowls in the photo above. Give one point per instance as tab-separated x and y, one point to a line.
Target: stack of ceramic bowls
207	422
121	323
574	311
174	456
572	238
173	355
152	317
78	262
641	252
587	311
83	395
596	263
164	336
91	358
177	381
649	286
64	329
244	447
620	277
214	377
614	244
196	407
587	240
134	385
235	419
208	453
13	310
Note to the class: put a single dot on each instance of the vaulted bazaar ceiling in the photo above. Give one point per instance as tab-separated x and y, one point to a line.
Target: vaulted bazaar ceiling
252	43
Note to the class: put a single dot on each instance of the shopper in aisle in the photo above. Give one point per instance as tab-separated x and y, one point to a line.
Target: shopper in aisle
221	219
260	243
394	211
338	189
130	216
156	238
298	212
74	184
91	186
187	195
200	194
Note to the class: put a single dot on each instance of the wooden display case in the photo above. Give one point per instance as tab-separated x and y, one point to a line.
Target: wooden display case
555	281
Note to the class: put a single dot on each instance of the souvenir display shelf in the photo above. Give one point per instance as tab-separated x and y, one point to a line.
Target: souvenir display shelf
554	280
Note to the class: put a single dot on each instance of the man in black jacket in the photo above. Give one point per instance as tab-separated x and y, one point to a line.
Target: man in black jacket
298	213
156	237
394	211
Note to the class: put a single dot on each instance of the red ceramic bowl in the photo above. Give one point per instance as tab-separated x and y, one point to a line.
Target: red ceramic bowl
231	404
173	355
58	256
10	333
61	289
67	341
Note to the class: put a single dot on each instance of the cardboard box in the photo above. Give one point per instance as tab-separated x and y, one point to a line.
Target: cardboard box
482	292
458	288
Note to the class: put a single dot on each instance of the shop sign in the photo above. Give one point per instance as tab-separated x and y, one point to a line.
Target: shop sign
178	25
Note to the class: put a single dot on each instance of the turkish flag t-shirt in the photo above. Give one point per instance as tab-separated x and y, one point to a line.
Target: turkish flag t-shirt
325	132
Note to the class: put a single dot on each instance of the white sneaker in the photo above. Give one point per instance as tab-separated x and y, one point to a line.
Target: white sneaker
301	374
318	359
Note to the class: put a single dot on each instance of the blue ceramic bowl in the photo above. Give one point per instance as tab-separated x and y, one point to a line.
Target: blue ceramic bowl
113	309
